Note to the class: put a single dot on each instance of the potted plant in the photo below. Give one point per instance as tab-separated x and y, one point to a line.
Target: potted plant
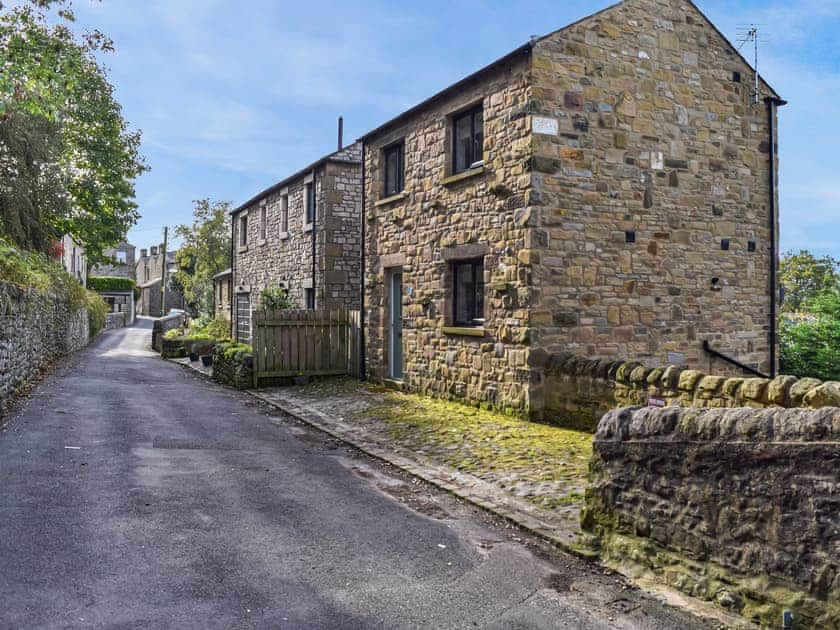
207	360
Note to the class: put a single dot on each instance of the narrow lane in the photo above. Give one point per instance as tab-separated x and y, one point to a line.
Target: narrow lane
137	495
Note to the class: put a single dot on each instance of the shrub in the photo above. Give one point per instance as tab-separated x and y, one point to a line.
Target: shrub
110	283
202	328
97	310
276	299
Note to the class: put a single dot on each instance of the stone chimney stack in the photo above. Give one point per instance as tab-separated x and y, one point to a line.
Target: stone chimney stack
161	248
143	253
154	250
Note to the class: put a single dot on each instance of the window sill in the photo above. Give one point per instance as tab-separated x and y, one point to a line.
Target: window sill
465	331
261	242
241	248
459	177
284	236
391	199
307	228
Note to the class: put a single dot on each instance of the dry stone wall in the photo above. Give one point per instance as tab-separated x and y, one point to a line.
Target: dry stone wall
737	506
657	161
579	391
35	328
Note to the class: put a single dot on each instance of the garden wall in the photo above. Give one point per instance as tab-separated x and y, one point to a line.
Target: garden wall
34	329
738	506
161	325
233	365
579	391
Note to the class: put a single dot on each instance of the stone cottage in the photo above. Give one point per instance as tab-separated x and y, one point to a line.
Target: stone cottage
222	295
149	272
606	190
122	263
302	234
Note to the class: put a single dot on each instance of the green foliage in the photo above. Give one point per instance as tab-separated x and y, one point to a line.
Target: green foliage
233	351
204	253
276	299
67	159
97	309
805	276
202	328
810	345
37	271
110	283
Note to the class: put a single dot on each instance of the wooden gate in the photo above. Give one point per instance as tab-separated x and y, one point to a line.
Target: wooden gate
300	343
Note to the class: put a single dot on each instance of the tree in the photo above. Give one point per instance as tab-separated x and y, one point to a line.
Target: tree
204	253
810	345
805	277
67	159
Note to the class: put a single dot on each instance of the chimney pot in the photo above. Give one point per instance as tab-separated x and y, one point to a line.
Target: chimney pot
144	253
340	133
153	251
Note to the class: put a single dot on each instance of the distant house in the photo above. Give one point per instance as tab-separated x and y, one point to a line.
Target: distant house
73	258
122	263
606	190
221	294
303	234
149	272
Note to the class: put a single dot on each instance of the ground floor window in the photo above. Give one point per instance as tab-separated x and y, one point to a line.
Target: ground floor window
243	317
309	296
468	292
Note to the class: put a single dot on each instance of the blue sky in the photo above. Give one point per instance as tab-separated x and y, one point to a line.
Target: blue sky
233	96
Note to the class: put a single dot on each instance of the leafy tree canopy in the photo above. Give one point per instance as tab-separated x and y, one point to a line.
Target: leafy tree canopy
67	158
810	345
205	252
805	277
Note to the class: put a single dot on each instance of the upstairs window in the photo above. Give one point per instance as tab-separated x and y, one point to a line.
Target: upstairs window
121	259
394	169
310	203
262	222
467	140
243	230
468	289
284	213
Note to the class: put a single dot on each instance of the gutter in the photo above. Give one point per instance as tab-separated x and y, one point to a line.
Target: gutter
772	103
362	336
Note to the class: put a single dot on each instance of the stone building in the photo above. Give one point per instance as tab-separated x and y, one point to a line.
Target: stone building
122	263
149	271
222	294
606	190
73	259
302	234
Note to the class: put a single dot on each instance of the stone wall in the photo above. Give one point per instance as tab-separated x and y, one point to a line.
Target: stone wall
439	219
658	159
286	257
233	367
162	325
35	328
737	506
579	390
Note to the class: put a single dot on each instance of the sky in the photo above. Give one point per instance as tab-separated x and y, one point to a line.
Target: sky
233	96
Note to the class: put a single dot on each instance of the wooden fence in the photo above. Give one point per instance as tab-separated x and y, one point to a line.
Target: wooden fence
299	343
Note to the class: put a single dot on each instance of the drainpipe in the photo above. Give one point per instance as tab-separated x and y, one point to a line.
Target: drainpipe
362	336
772	103
314	231
232	274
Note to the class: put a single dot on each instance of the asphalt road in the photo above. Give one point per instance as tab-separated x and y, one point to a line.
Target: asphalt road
135	494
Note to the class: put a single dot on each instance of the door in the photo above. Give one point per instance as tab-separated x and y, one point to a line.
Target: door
243	317
396	325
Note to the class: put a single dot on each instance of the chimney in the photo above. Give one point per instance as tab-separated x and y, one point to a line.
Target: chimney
154	250
340	133
143	253
161	247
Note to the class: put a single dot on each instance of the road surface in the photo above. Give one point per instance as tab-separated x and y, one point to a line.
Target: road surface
135	494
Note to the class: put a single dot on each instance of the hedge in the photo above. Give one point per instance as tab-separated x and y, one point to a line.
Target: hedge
110	283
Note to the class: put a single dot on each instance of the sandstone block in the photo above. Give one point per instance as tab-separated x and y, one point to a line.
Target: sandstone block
826	395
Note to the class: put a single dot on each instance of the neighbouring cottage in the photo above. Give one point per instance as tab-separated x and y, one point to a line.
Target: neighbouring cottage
302	234
149	273
606	190
73	258
121	262
221	294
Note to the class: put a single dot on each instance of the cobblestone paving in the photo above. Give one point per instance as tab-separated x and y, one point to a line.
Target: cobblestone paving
543	465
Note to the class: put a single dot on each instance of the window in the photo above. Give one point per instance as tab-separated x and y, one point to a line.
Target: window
262	222
284	213
310	203
309	296
394	169
121	258
243	230
468	290
467	140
